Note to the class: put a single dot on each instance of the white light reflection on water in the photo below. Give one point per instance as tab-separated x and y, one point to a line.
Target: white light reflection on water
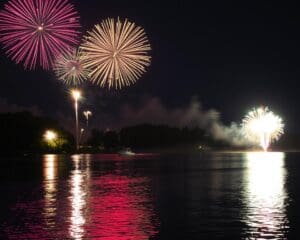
78	196
50	188
265	195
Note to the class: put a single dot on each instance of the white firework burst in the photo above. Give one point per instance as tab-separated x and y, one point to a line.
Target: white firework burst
263	127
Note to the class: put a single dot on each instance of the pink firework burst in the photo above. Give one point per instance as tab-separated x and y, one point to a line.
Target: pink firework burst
35	32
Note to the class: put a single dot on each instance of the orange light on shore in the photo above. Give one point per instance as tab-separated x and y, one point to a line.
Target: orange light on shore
50	136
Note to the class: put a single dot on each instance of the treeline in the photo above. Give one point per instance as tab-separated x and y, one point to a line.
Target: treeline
161	136
152	136
23	133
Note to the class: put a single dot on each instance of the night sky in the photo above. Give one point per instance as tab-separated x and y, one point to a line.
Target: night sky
231	55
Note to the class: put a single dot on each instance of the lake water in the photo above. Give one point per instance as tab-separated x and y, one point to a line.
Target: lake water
184	196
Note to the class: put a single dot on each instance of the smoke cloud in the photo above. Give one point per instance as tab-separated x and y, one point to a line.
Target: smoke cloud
6	107
193	115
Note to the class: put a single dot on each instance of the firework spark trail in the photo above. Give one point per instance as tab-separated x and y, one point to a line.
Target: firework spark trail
69	68
36	31
116	53
263	127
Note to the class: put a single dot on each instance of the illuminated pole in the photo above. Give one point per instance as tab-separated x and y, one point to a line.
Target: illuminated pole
81	133
76	95
87	121
87	114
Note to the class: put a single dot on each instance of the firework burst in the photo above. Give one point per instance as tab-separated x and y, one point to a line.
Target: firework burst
36	31
116	53
262	126
69	68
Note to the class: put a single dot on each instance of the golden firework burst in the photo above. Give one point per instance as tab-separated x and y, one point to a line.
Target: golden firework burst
116	53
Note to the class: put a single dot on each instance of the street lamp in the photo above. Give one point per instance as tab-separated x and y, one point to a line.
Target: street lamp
76	94
81	133
87	114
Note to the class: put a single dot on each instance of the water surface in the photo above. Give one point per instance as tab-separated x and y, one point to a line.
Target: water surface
185	196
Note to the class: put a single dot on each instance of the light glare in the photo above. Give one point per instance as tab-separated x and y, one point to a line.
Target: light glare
50	135
76	94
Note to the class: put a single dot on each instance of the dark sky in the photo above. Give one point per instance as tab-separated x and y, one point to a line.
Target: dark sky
232	55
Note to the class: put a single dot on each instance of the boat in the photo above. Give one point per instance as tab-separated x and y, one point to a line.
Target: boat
126	152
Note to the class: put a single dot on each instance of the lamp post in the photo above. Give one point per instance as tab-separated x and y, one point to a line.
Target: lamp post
81	133
87	114
76	96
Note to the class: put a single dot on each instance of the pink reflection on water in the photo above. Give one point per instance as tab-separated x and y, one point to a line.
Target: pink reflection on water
113	206
94	201
122	209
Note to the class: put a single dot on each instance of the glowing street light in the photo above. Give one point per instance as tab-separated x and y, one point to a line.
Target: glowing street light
87	114
50	136
76	94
